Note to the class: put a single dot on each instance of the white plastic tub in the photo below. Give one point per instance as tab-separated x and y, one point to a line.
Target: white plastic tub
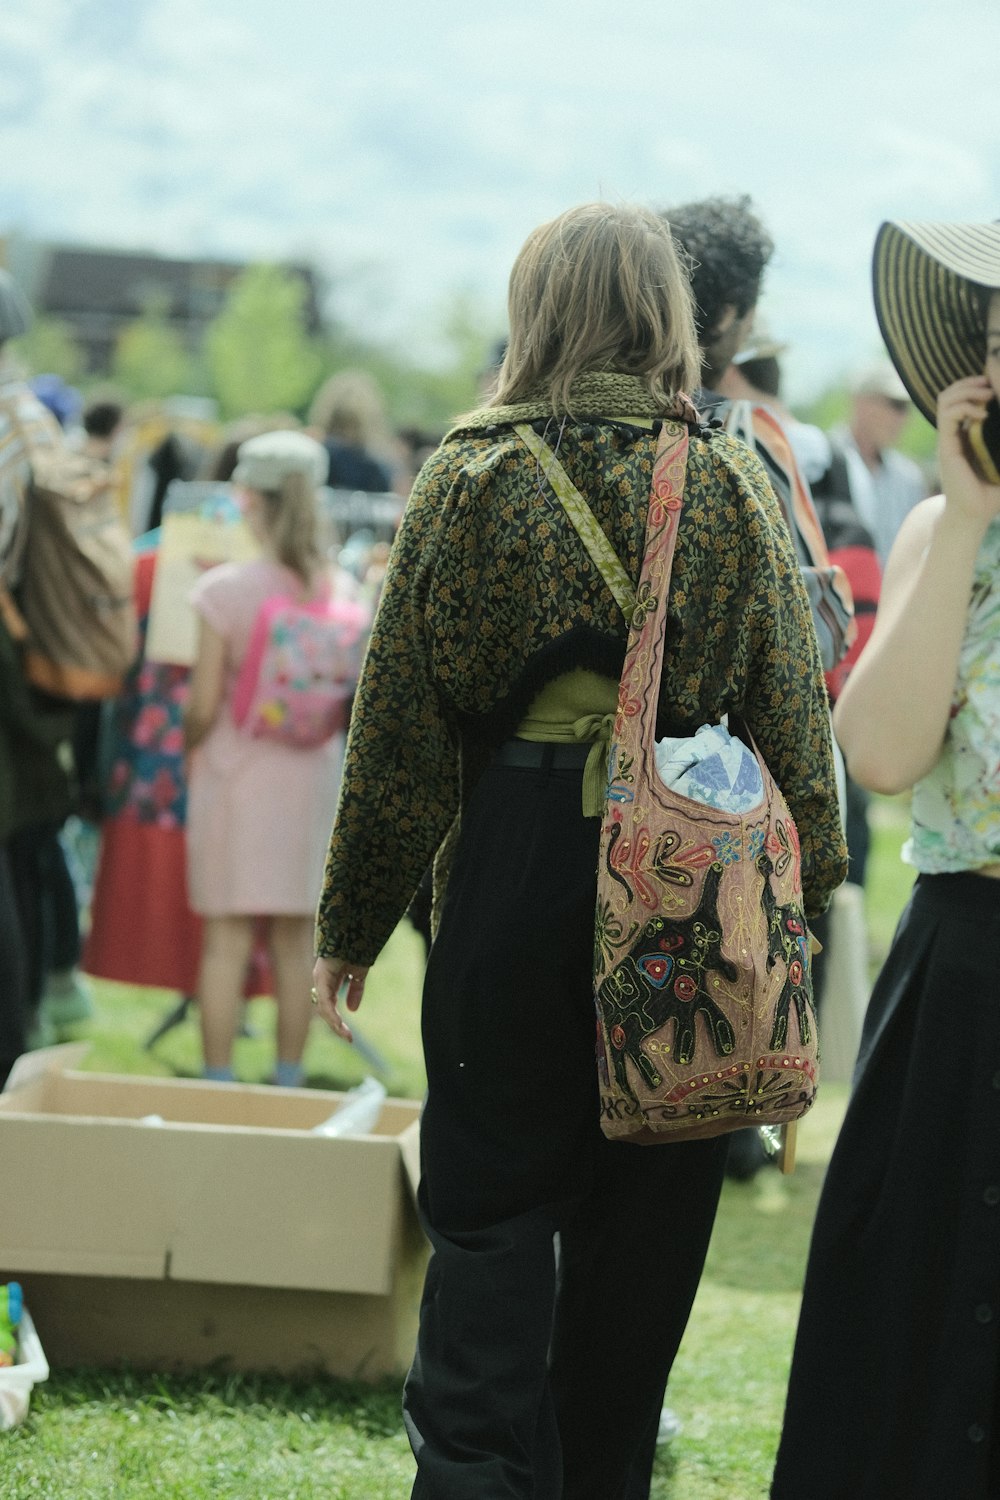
17	1381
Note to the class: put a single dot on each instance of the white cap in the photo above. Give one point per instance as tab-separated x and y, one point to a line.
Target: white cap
879	379
265	462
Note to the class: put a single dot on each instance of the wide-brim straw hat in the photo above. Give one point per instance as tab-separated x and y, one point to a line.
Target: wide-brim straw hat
926	280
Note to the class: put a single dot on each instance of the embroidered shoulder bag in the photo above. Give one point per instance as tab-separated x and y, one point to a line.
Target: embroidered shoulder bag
705	1016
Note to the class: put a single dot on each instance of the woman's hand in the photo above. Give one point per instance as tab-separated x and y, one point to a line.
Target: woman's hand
967	496
329	977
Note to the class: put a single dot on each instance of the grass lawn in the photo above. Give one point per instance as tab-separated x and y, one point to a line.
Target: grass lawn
94	1435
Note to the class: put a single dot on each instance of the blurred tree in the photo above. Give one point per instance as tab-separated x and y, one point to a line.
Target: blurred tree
49	348
260	358
417	393
831	408
150	358
919	441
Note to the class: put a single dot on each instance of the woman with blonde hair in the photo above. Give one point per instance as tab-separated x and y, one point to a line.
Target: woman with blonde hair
258	808
480	733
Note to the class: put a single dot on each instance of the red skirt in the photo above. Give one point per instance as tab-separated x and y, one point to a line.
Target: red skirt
142	930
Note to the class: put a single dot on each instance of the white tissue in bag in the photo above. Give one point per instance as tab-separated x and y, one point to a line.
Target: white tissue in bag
713	767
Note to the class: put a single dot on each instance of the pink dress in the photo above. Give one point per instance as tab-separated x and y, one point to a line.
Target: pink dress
259	812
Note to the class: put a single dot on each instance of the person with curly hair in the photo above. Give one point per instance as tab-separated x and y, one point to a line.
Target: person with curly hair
727	250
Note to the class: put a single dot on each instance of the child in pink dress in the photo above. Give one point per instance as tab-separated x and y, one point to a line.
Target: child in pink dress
259	810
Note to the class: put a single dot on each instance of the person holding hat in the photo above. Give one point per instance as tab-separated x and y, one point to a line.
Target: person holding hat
895	1380
259	810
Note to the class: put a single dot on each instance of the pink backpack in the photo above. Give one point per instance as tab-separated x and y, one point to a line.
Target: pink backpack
300	670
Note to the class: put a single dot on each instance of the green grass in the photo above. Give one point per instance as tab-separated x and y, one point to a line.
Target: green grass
140	1437
888	881
388	1023
728	1384
94	1435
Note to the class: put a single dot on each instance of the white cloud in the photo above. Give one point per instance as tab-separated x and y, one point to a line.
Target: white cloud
413	148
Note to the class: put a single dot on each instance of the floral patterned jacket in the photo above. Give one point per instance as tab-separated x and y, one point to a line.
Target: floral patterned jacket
489	595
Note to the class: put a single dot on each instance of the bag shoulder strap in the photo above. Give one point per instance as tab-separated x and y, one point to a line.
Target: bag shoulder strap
590	532
639	688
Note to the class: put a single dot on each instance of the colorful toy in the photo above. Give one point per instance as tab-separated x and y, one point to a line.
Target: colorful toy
11	1303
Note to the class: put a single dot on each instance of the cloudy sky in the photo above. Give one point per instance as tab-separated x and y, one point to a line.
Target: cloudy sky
407	149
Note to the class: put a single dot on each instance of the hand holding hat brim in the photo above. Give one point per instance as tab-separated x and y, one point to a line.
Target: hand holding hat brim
928	281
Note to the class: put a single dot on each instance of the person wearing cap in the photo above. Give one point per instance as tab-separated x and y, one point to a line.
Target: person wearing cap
885	484
259	810
755	376
727	250
864	492
895	1379
754	372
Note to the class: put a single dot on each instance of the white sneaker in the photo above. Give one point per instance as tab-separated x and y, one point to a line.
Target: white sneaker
670	1426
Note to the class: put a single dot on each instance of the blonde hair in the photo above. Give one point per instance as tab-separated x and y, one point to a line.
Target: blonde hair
599	288
295	526
349	406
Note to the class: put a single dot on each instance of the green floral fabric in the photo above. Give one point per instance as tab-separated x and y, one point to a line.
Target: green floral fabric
490	594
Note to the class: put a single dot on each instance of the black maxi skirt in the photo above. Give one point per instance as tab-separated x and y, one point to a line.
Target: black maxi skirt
894	1381
538	1379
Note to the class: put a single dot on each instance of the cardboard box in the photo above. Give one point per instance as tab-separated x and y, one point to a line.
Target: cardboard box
227	1233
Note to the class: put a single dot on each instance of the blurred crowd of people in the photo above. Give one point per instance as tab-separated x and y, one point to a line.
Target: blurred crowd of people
94	860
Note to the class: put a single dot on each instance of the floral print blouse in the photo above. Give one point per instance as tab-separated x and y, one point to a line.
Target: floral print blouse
956	807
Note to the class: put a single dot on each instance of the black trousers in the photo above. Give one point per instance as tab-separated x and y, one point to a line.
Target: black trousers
47	904
564	1265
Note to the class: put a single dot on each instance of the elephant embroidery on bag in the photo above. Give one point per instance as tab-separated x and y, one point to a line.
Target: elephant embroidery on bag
662	979
787	940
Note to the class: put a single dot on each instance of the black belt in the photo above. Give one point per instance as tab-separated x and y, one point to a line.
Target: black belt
543	755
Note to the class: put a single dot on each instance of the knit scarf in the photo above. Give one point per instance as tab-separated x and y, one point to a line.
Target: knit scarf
598	393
